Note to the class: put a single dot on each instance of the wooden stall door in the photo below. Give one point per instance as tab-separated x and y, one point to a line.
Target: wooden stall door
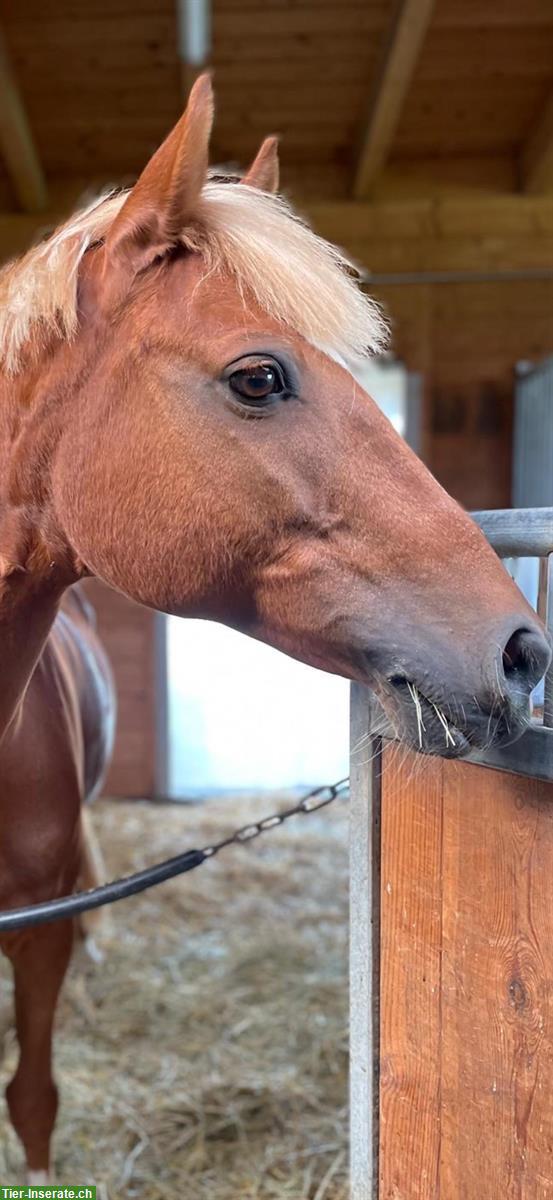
466	983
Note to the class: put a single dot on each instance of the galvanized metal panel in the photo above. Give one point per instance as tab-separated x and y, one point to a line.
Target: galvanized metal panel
364	946
533	438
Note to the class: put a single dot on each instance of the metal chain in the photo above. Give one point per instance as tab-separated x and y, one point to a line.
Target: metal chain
64	907
312	802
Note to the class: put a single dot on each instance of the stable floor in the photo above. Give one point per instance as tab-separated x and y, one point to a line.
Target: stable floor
206	1057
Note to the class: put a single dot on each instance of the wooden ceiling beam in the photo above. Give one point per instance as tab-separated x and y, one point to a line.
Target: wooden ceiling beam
536	160
17	147
512	217
393	77
423	234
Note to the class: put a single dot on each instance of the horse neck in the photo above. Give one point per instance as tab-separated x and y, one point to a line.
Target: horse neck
31	586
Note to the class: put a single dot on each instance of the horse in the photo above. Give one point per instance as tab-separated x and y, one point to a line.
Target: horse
179	417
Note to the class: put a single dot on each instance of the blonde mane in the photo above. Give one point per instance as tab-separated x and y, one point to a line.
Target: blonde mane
295	276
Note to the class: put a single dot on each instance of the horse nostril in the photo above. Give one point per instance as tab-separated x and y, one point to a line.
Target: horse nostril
526	658
397	681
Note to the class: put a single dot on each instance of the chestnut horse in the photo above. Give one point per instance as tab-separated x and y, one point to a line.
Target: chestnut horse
176	418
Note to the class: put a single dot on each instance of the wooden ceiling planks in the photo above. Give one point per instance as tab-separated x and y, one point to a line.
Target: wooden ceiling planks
299	69
101	83
482	74
101	86
493	14
300	20
466	119
471	54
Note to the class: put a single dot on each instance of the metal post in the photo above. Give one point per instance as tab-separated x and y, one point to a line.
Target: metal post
548	685
364	947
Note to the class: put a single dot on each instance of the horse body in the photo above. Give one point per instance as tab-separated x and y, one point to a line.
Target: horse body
174	420
53	757
55	754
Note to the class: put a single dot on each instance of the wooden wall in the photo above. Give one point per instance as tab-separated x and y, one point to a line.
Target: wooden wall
129	634
466	1012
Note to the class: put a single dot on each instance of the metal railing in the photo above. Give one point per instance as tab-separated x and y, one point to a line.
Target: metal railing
526	533
521	533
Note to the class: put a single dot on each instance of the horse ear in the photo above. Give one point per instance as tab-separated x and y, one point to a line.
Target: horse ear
165	196
264	171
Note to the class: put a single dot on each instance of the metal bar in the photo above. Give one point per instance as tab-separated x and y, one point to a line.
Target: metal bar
364	947
531	755
398	278
548	686
518	532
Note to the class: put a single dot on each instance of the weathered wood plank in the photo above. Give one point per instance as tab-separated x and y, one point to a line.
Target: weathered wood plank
497	987
410	1016
466	984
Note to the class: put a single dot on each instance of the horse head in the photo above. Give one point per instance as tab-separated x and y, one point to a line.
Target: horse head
192	434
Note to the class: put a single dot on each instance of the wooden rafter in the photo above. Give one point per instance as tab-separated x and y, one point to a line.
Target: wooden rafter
17	147
536	162
399	58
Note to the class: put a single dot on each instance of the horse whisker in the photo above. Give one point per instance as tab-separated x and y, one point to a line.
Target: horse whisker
449	739
418	709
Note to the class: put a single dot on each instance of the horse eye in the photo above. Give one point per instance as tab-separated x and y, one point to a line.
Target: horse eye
257	383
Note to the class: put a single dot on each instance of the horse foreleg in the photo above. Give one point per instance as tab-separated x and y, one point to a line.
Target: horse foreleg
95	923
39	958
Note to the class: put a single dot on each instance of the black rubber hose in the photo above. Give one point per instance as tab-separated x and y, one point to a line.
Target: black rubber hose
71	906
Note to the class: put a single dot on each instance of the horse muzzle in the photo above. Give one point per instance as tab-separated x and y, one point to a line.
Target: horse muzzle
452	705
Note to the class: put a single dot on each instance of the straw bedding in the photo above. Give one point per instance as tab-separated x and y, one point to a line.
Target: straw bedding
206	1057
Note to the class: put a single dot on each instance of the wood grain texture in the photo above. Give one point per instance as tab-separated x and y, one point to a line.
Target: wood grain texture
467	985
410	20
411	943
536	165
101	83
